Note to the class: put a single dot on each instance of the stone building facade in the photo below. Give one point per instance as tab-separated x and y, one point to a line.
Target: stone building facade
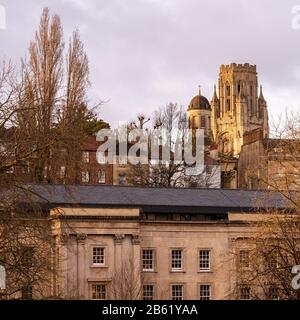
145	243
266	163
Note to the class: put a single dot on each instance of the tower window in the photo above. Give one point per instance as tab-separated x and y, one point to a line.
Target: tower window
228	90
203	122
228	105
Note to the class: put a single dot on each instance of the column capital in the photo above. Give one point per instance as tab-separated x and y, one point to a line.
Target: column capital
81	238
119	238
136	239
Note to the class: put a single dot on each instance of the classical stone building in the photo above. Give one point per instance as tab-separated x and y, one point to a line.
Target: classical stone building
236	108
151	243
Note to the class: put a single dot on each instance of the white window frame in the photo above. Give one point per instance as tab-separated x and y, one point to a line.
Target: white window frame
102	174
175	269
153	259
93	286
209	269
245	287
85	176
173	297
102	264
86	157
148	297
205	297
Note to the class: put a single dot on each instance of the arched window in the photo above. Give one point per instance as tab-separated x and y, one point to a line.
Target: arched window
203	122
228	96
227	90
240	87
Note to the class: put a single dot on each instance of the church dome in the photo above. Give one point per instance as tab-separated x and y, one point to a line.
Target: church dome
199	102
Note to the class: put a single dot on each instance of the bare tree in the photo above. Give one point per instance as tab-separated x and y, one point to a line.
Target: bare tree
170	172
127	281
274	248
43	116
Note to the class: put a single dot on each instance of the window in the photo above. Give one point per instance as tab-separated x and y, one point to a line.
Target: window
177	292
239	87
27	293
101	176
227	90
10	170
122	180
273	293
27	254
244	259
228	105
205	292
177	264
98	256
148	260
245	293
148	292
98	291
85	177
204	260
203	122
86	157
62	173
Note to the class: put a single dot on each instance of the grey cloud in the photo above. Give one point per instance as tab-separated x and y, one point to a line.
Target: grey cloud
145	53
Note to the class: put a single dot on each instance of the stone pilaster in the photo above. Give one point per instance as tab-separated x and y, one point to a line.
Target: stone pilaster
118	251
81	264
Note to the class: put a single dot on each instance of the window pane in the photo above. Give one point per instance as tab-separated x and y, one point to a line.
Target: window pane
245	293
148	292
176	260
85	177
273	293
101	176
205	292
204	257
203	122
177	292
86	157
98	255
148	263
98	292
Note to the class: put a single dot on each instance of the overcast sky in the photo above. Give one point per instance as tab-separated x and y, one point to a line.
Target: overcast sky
146	53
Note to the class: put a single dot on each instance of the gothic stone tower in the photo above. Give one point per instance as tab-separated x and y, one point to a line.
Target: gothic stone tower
239	108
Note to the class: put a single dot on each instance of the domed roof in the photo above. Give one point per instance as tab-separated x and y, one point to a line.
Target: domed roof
199	102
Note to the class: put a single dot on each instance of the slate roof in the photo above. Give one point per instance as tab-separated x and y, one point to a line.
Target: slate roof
160	199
